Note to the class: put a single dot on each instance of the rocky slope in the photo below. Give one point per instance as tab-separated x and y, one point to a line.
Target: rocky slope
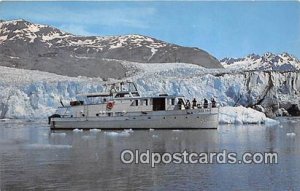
40	47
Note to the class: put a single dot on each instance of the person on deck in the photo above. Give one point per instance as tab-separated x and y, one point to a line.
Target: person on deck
180	104
213	102
188	104
205	103
194	103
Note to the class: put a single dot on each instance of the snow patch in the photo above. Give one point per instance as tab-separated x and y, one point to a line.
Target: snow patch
3	38
153	51
54	35
34	28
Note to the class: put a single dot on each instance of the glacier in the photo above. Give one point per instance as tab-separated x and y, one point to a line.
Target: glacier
29	94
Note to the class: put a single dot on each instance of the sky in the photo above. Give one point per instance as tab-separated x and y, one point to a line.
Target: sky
224	29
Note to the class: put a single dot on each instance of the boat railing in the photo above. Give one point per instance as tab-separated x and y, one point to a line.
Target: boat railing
63	111
204	106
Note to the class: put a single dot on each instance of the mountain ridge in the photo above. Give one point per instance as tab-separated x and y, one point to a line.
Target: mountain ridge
266	62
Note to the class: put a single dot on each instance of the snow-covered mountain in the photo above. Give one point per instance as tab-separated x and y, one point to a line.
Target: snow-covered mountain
45	48
268	61
61	57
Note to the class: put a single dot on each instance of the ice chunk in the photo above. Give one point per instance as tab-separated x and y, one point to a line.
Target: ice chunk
128	130
95	130
269	121
177	130
292	134
59	134
47	146
242	115
3	120
77	130
117	134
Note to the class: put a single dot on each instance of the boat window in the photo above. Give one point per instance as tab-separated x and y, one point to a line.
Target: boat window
135	103
173	101
159	104
120	95
144	102
132	87
180	101
119	114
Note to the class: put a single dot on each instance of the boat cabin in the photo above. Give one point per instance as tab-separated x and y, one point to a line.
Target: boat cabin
121	98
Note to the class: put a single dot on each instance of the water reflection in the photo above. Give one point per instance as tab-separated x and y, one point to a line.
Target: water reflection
34	158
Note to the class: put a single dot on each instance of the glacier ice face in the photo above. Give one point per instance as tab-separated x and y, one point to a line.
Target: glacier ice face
35	94
230	88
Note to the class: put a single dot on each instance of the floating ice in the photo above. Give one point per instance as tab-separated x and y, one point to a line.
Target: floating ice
292	134
77	130
48	146
176	130
128	130
3	120
120	134
95	130
271	122
242	115
58	134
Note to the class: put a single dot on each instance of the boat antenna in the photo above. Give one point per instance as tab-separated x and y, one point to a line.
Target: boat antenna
62	104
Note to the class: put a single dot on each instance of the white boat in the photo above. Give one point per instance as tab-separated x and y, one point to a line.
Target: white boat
122	107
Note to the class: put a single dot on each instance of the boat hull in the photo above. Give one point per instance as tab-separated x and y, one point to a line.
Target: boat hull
186	119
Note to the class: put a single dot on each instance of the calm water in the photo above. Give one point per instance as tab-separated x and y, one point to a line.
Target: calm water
34	158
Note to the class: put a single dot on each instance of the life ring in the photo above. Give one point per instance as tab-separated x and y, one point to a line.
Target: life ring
110	105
